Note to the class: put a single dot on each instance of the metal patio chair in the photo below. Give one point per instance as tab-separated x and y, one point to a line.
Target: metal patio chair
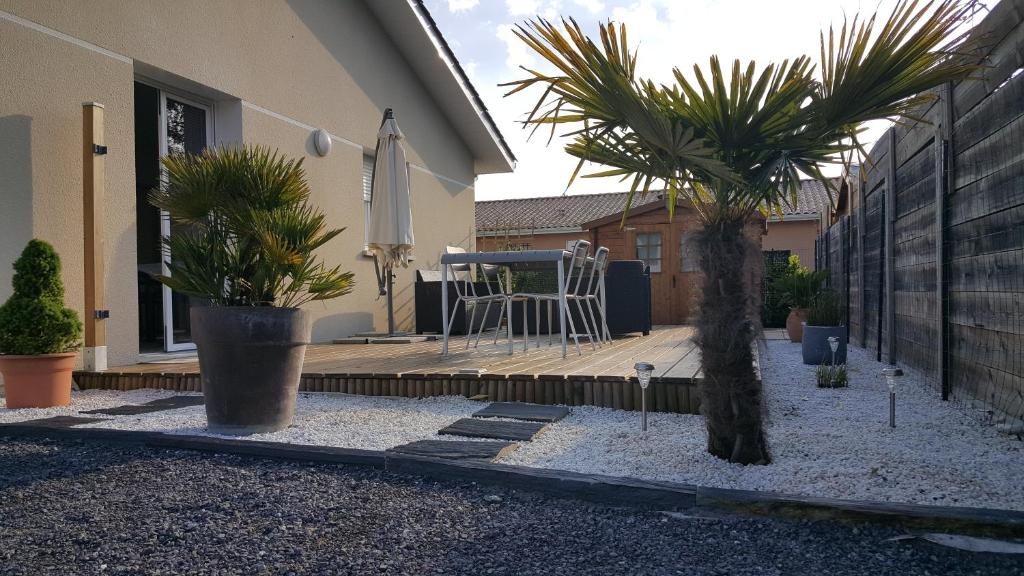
466	292
574	273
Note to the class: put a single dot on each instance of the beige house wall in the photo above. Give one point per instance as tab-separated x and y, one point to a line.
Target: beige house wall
796	236
272	70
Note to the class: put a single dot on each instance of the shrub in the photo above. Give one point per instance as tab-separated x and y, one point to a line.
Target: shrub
798	286
34	320
775	308
246	232
826	310
831	376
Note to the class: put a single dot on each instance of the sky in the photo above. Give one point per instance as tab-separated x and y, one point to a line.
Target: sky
667	33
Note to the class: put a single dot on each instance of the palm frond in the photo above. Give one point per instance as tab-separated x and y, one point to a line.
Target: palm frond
736	140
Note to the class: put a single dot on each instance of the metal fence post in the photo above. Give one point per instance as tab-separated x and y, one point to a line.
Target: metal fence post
889	257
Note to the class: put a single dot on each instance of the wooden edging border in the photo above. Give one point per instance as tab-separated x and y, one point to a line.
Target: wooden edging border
674	395
614	490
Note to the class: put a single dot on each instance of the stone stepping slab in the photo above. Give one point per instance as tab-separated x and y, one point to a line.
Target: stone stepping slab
461	450
171	403
497	429
60	421
522	411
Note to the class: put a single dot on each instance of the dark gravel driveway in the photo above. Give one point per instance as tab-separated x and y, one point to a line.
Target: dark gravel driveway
90	508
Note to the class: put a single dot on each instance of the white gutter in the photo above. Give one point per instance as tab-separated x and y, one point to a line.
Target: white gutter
533	231
795	218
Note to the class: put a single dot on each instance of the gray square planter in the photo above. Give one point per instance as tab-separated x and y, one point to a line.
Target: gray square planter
815	344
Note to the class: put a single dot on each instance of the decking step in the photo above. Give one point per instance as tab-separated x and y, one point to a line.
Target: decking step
171	403
497	429
522	411
456	449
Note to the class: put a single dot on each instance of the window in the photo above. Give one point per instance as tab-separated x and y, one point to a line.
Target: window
648	249
689	261
367	194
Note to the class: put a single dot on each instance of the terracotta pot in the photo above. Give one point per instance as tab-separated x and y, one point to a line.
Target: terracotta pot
794	324
42	381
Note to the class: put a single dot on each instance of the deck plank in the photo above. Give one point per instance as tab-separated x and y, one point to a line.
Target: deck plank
670	348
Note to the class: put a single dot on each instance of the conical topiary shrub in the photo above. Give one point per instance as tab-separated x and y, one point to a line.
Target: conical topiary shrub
38	335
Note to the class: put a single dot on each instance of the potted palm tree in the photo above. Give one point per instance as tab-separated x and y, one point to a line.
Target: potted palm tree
244	241
39	337
824	320
734	142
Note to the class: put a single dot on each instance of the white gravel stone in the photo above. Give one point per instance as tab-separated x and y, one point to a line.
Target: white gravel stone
340	420
825	442
82	400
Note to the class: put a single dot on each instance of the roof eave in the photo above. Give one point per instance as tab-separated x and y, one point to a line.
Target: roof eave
417	37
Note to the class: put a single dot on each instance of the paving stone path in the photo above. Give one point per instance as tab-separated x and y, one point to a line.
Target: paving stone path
170	403
515	421
495	429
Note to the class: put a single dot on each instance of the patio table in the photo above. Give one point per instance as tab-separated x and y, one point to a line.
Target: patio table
520	260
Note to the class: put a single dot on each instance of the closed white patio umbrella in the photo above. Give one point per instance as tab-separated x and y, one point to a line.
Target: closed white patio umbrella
390	236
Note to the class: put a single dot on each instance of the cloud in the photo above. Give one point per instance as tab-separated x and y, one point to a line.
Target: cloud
523	7
456	6
592	6
550	9
517	53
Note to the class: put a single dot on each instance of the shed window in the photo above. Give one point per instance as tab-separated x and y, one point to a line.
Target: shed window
648	249
689	260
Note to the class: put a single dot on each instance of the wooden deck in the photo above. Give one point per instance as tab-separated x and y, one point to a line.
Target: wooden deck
602	377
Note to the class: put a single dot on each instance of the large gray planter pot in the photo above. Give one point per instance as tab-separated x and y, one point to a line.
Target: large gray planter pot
815	346
250	362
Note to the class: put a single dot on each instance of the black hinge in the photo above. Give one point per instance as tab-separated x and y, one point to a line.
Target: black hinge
99	149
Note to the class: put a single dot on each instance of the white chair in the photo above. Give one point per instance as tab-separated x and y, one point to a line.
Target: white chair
466	292
573	281
592	294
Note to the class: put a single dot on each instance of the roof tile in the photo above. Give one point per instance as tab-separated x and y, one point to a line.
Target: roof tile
570	211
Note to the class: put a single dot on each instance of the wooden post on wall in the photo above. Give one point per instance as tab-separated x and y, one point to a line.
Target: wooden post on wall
943	188
889	266
93	152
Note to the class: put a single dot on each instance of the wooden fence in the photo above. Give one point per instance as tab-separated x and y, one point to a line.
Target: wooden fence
930	257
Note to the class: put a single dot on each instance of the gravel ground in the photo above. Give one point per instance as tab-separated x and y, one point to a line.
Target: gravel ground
825	442
73	508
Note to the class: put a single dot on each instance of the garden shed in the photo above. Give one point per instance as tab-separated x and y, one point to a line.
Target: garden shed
667	246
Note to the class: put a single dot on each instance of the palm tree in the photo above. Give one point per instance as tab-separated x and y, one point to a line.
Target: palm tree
734	144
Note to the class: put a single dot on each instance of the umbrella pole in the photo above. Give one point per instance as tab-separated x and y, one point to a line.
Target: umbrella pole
391	301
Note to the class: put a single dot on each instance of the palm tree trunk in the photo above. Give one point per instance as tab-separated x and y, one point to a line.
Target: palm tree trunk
731	395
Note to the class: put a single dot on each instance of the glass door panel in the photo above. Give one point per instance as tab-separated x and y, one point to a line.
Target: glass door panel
186	129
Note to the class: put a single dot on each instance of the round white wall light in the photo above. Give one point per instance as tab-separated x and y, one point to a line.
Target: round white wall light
322	142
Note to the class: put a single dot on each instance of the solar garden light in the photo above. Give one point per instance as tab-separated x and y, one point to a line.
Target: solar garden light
833	343
643	374
891	374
